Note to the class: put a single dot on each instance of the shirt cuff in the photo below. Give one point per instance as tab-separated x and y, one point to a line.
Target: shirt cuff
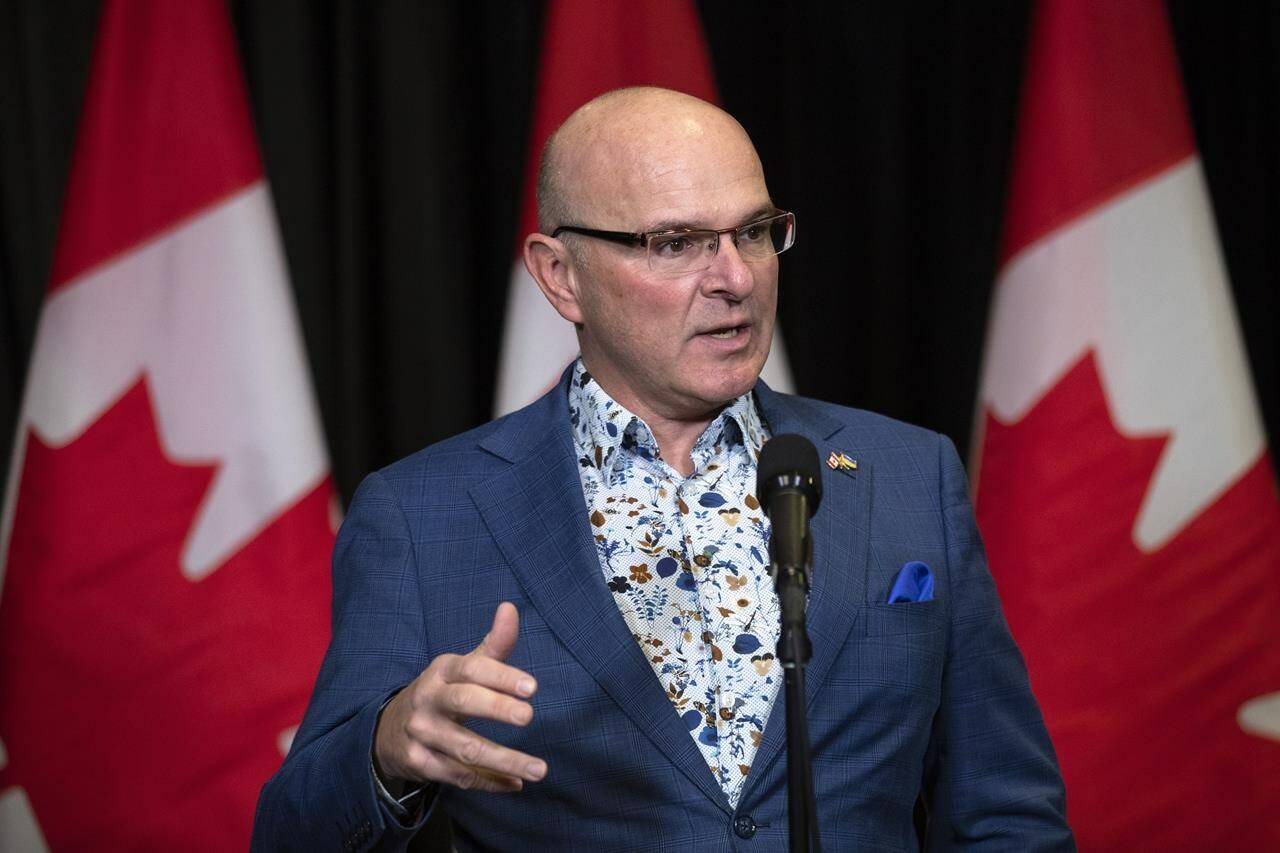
407	807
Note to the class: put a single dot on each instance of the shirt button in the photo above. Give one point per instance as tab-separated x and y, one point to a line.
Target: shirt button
744	826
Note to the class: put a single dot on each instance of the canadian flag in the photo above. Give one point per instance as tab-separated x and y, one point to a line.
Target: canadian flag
1125	491
590	47
167	524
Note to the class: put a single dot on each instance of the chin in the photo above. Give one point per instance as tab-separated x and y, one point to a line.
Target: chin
723	384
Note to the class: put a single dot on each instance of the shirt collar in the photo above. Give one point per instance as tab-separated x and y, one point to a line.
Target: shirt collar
602	425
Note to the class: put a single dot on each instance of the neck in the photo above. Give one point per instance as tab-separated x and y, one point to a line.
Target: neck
675	439
674	431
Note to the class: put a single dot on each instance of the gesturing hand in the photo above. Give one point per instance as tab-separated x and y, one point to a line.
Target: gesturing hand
420	736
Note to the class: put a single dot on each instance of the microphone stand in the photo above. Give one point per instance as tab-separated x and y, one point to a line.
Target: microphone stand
791	579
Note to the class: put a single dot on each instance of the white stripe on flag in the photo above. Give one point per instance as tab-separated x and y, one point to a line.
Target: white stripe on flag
1139	281
205	312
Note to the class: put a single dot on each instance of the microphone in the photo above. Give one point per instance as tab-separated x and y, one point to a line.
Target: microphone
789	486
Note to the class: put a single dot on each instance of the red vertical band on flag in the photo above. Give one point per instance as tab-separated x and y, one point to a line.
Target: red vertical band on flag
1098	113
145	157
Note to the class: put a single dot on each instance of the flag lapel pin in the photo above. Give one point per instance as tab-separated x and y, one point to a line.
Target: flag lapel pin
842	462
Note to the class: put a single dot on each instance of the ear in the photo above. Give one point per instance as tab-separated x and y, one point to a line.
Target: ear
548	261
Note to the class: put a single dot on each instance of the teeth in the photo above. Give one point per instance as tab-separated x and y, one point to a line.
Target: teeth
728	333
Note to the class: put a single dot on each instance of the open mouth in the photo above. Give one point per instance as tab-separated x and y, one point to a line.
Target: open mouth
727	333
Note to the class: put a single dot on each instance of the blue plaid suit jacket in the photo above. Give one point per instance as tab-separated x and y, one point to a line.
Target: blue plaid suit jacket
925	699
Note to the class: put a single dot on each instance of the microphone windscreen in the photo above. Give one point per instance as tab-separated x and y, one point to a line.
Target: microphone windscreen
789	461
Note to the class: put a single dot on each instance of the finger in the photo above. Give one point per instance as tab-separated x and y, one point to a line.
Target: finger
501	638
472	750
488	672
465	701
444	768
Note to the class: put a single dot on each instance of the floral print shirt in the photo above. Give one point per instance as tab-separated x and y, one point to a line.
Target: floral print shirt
687	561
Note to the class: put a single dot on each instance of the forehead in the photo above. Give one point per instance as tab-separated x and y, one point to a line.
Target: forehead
685	171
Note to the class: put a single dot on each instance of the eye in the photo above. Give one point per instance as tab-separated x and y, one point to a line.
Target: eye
753	233
670	247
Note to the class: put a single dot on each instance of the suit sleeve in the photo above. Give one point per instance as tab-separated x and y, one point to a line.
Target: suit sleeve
324	796
992	780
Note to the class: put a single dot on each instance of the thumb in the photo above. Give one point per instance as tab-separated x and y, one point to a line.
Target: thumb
501	638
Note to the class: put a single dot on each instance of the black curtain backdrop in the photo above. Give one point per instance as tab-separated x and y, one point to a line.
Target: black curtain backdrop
394	135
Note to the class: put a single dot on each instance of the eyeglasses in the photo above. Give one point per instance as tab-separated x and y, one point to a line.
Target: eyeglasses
687	250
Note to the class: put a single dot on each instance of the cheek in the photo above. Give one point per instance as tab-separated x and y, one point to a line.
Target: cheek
638	320
766	282
766	299
649	308
657	327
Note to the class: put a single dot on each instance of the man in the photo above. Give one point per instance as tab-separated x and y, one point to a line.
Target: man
559	626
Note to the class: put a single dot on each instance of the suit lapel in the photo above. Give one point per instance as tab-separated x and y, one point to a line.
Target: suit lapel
841	537
536	514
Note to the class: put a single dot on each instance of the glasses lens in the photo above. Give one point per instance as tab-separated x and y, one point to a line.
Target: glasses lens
690	251
766	237
683	252
783	231
756	240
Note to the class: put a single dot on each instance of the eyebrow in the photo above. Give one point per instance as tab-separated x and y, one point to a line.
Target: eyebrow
766	209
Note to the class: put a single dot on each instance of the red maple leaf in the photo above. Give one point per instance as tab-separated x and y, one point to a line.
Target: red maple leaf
1140	660
142	710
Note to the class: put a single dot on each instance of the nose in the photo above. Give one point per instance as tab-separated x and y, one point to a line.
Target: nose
729	276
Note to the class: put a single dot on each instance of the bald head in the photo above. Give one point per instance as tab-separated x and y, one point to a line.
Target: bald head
614	144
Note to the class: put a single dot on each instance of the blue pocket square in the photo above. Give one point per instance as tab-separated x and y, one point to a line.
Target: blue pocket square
914	583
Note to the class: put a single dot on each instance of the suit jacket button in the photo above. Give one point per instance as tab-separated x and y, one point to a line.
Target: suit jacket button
744	826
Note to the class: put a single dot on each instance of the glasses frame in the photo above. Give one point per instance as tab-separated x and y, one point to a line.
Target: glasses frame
643	239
